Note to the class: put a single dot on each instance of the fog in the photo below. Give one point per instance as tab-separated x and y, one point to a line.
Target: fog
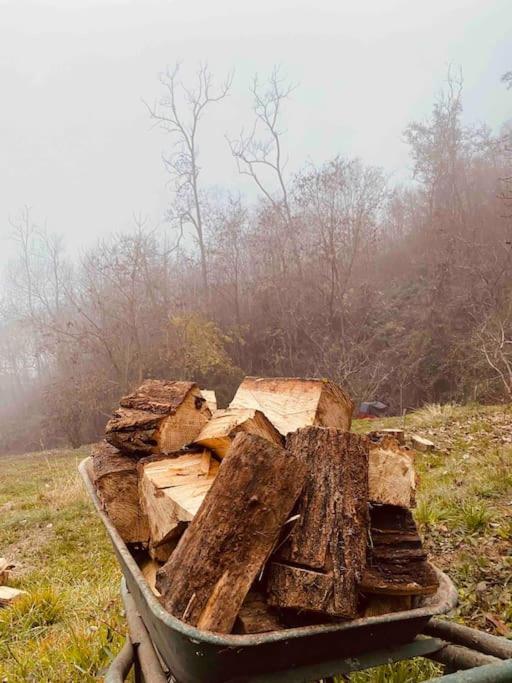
77	143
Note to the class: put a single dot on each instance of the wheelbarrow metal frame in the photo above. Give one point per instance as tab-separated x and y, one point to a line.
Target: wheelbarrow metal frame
297	654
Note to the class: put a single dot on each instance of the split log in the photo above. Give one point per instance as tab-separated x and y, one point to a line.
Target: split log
9	595
290	403
161	553
386	604
398	434
149	568
219	432
391	477
255	616
227	543
210	398
396	563
422	444
172	490
116	480
319	564
159	417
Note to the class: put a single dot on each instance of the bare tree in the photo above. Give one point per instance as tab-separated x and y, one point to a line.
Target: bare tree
259	153
179	112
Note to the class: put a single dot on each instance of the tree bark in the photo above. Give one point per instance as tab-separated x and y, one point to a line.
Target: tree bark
397	563
319	564
226	545
116	480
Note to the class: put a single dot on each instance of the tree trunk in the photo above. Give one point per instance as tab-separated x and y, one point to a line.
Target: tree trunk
226	545
319	564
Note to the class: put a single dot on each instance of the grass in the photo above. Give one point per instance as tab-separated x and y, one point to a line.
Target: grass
70	623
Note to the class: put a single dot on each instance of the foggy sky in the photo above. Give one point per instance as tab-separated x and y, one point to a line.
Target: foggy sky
78	147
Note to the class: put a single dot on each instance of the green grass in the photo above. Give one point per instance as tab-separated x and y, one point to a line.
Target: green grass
70	623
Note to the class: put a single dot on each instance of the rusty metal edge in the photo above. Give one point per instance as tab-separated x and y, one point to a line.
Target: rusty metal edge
469	637
440	603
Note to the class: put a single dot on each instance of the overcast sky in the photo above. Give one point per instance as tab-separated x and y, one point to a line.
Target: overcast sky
76	142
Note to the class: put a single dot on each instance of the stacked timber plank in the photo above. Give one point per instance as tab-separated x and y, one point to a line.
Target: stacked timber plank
264	514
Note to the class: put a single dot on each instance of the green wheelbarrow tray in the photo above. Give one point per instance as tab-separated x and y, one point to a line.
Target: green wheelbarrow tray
196	656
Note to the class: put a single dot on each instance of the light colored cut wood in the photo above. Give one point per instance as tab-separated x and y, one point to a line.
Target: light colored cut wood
116	480
290	403
391	476
219	432
159	417
149	568
422	444
172	490
210	398
8	595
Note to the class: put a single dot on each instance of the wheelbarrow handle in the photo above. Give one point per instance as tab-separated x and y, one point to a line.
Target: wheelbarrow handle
120	667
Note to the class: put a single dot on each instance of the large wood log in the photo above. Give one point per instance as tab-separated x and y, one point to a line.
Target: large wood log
391	476
205	581
319	564
219	432
172	490
396	563
116	480
159	417
290	403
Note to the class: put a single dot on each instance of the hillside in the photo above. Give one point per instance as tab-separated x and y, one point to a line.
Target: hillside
70	624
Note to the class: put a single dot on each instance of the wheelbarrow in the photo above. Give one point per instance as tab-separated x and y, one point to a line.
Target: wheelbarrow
162	648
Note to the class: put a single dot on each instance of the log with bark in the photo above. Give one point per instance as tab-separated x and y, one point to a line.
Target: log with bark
116	480
319	563
205	581
255	616
391	476
172	489
159	417
219	432
396	563
290	403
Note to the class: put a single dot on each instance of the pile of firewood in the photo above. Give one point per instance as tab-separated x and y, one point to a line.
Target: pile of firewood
267	514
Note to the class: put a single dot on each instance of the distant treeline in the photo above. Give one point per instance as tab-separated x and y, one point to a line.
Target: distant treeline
397	293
